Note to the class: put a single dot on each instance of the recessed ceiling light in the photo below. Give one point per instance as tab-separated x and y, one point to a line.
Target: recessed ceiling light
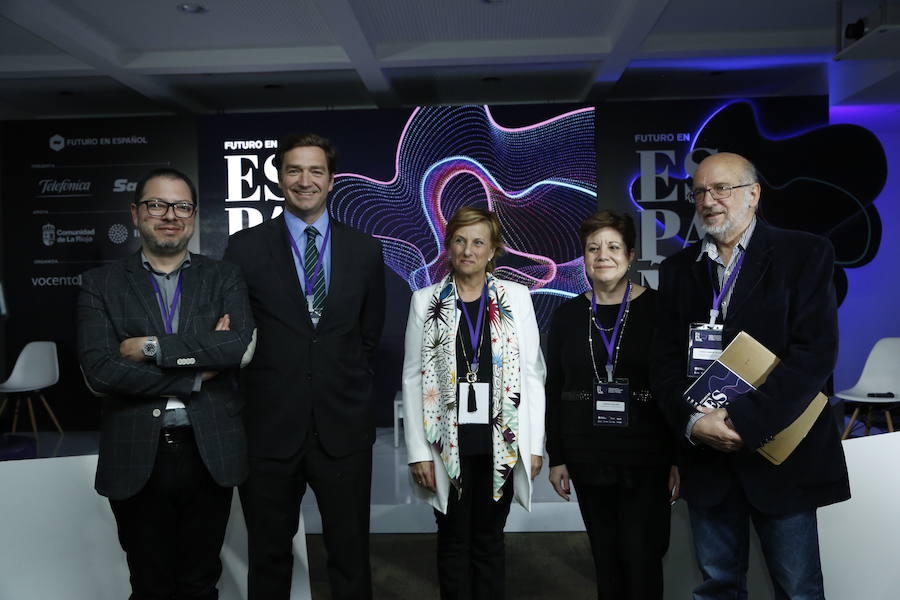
191	8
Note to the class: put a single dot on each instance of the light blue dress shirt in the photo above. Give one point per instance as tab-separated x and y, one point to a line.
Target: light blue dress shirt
297	229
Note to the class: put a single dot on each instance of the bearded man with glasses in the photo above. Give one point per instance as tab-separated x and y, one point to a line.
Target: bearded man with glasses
775	284
160	336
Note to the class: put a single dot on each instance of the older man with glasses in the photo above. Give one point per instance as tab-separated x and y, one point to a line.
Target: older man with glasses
776	285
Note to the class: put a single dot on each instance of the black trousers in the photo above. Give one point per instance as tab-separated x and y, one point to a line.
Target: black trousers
172	530
271	499
628	527
470	544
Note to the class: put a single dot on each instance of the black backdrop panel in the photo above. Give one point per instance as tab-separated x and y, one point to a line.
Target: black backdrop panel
67	187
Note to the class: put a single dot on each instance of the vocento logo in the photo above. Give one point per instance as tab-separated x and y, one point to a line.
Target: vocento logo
56	281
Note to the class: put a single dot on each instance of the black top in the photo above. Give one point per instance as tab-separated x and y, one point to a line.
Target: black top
572	438
474	439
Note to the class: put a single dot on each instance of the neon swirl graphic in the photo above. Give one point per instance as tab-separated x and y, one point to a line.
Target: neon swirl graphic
540	179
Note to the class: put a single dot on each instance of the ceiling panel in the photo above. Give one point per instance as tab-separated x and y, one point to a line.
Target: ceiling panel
15	40
274	91
158	25
799	80
74	97
493	84
400	21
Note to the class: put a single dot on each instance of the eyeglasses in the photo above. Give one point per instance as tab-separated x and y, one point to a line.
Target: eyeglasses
720	191
159	208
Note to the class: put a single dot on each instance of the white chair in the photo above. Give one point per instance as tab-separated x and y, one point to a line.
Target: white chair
36	368
881	375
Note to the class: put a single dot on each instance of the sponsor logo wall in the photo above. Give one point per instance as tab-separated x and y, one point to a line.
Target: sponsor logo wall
67	189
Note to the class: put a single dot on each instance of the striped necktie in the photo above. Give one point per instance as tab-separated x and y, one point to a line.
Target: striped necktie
310	258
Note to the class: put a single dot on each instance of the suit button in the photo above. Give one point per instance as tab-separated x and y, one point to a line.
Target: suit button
156	412
315	340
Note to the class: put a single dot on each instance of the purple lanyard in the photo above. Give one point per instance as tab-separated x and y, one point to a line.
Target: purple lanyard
475	332
168	314
309	284
718	297
609	343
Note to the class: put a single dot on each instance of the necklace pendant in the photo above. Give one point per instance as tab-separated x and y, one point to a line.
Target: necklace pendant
471	377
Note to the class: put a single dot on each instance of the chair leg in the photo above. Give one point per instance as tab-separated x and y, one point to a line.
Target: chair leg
51	413
16	415
850	424
3	406
868	420
890	421
33	420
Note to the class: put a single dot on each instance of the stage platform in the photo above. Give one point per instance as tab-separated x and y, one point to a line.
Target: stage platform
59	537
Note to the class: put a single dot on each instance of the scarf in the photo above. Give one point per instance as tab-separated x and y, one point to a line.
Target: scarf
439	381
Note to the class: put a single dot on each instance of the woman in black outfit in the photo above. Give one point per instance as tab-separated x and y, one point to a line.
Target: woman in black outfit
605	433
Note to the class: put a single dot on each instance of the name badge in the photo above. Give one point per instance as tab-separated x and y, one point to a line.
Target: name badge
704	347
480	415
314	315
610	400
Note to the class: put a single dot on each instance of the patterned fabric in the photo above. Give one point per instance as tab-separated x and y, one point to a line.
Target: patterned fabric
310	258
439	381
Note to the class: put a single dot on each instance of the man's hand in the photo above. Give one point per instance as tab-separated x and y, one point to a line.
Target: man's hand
716	431
536	463
133	348
223	324
559	478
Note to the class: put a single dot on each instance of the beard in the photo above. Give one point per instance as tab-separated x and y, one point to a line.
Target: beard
732	219
162	247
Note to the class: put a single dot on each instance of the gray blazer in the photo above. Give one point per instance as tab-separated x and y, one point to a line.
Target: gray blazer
118	302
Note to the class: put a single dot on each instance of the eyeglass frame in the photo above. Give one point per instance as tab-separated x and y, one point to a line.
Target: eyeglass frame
169	205
728	189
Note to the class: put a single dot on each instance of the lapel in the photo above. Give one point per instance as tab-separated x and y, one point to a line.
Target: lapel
701	282
341	256
139	282
759	257
286	281
192	280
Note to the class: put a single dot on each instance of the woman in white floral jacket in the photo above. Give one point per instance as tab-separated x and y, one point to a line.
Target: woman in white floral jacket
473	400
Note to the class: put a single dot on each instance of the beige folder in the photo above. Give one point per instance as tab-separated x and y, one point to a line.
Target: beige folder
753	362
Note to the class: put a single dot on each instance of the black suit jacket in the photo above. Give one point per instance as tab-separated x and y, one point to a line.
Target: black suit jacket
784	297
303	377
118	302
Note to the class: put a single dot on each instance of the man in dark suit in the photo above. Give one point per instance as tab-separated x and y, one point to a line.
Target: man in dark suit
159	336
781	293
317	291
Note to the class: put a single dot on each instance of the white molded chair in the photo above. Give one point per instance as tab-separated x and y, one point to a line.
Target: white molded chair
880	375
37	368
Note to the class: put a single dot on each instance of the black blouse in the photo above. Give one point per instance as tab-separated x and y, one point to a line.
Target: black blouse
572	438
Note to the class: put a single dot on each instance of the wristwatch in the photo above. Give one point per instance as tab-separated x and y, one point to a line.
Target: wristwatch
151	347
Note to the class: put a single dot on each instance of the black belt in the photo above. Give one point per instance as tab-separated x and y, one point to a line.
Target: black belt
176	435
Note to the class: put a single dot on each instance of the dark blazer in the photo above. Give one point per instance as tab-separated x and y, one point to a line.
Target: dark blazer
784	297
303	377
118	302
